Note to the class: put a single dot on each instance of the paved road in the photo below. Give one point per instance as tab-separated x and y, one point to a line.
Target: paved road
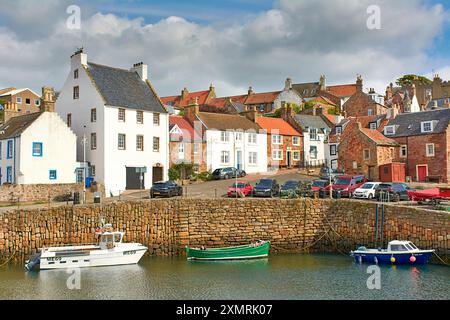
219	188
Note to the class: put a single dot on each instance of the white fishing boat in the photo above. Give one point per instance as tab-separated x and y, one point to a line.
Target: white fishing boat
110	251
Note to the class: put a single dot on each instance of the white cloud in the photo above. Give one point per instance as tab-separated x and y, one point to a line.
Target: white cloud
299	39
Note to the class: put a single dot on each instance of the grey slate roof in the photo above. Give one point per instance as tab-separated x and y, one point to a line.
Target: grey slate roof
15	126
308	121
238	106
124	88
409	124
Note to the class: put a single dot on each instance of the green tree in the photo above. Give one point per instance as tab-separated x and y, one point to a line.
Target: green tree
308	105
407	80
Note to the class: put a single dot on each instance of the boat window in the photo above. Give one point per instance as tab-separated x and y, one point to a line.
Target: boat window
412	245
398	247
409	247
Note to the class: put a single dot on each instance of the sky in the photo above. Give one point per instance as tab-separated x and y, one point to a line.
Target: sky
232	44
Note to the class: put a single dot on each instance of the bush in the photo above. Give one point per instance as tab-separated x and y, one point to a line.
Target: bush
205	176
174	174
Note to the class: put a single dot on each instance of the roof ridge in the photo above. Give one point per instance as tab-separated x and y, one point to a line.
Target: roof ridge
115	68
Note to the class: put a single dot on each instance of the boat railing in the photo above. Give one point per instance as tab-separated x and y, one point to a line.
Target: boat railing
46	248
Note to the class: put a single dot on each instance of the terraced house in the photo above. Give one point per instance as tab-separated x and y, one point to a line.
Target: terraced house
424	139
120	122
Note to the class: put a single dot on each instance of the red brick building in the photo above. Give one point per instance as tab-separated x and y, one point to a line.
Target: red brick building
362	150
19	101
285	144
187	98
424	139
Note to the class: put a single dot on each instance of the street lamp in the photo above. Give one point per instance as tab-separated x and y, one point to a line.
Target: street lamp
84	142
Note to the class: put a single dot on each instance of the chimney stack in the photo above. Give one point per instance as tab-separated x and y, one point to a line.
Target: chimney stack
48	100
250	90
251	115
184	93
388	93
78	59
288	84
323	83
10	111
392	113
359	83
141	69
191	112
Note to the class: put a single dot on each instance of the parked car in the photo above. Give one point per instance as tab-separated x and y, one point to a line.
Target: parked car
393	191
317	185
242	189
290	189
227	173
266	188
345	186
325	173
366	191
166	189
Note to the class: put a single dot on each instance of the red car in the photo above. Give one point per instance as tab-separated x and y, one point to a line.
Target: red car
345	185
243	189
317	185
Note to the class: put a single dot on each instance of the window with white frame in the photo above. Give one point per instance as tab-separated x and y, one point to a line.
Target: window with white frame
18	100
181	150
277	139
156	119
296	155
389	130
430	149
333	150
373	126
370	112
93	115
296	141
239	136
277	154
224	136
69	120
92	170
93	141
155	144
427	126
366	154
139	117
313	152
121	141
338	130
225	157
196	148
252	138
121	115
75	74
403	151
76	92
37	102
252	157
140	143
313	134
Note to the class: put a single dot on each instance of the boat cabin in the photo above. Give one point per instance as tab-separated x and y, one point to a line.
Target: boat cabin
401	246
108	240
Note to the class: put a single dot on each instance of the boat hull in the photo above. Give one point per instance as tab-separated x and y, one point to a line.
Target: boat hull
399	258
230	253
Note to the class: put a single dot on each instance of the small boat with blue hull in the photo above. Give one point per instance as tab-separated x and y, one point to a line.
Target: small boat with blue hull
398	252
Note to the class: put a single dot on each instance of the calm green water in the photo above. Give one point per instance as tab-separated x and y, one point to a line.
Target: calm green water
280	277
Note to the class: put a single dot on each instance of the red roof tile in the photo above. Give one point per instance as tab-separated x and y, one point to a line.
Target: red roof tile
185	127
272	124
265	97
190	98
378	137
344	90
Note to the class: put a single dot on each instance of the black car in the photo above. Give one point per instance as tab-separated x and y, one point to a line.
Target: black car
227	173
290	189
266	188
166	189
392	192
325	173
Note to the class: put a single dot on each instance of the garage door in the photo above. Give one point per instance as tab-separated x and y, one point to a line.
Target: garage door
133	179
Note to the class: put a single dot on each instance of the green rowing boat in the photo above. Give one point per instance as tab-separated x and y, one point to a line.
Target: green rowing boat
256	250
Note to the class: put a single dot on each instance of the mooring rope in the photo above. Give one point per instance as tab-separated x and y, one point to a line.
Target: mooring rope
301	249
441	259
8	260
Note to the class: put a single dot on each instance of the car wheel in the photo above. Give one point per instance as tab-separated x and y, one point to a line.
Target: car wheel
227	177
396	197
350	195
370	197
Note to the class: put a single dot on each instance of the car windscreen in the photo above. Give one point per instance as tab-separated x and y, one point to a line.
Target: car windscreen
319	184
239	185
343	181
265	183
367	186
384	186
161	184
290	184
217	171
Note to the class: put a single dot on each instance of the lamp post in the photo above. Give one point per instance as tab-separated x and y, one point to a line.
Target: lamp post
84	141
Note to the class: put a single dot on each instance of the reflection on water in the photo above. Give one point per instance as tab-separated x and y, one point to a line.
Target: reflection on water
279	277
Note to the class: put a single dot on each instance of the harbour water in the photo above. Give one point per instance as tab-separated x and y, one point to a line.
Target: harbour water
293	277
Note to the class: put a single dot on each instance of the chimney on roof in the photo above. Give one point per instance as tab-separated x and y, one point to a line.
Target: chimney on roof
184	93
359	83
191	112
371	91
414	90
323	83
10	111
141	69
250	90
435	105
48	99
288	84
78	59
392	113
388	93
251	115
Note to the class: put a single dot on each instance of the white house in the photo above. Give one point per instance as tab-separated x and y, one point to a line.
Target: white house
122	121
37	148
332	144
315	132
231	140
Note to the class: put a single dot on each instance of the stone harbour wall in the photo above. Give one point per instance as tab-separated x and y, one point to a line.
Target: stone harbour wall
36	192
167	226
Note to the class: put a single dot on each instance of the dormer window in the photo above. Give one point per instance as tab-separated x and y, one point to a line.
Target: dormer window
373	126
427	126
339	130
389	130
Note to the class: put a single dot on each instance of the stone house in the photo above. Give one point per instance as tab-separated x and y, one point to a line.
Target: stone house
362	104
424	140
19	102
38	148
284	143
121	125
362	150
186	144
232	140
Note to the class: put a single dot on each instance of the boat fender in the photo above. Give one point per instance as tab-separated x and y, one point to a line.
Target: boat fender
412	259
375	259
393	259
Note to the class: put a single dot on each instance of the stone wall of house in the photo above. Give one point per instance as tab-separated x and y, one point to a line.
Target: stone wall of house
360	103
167	226
36	192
